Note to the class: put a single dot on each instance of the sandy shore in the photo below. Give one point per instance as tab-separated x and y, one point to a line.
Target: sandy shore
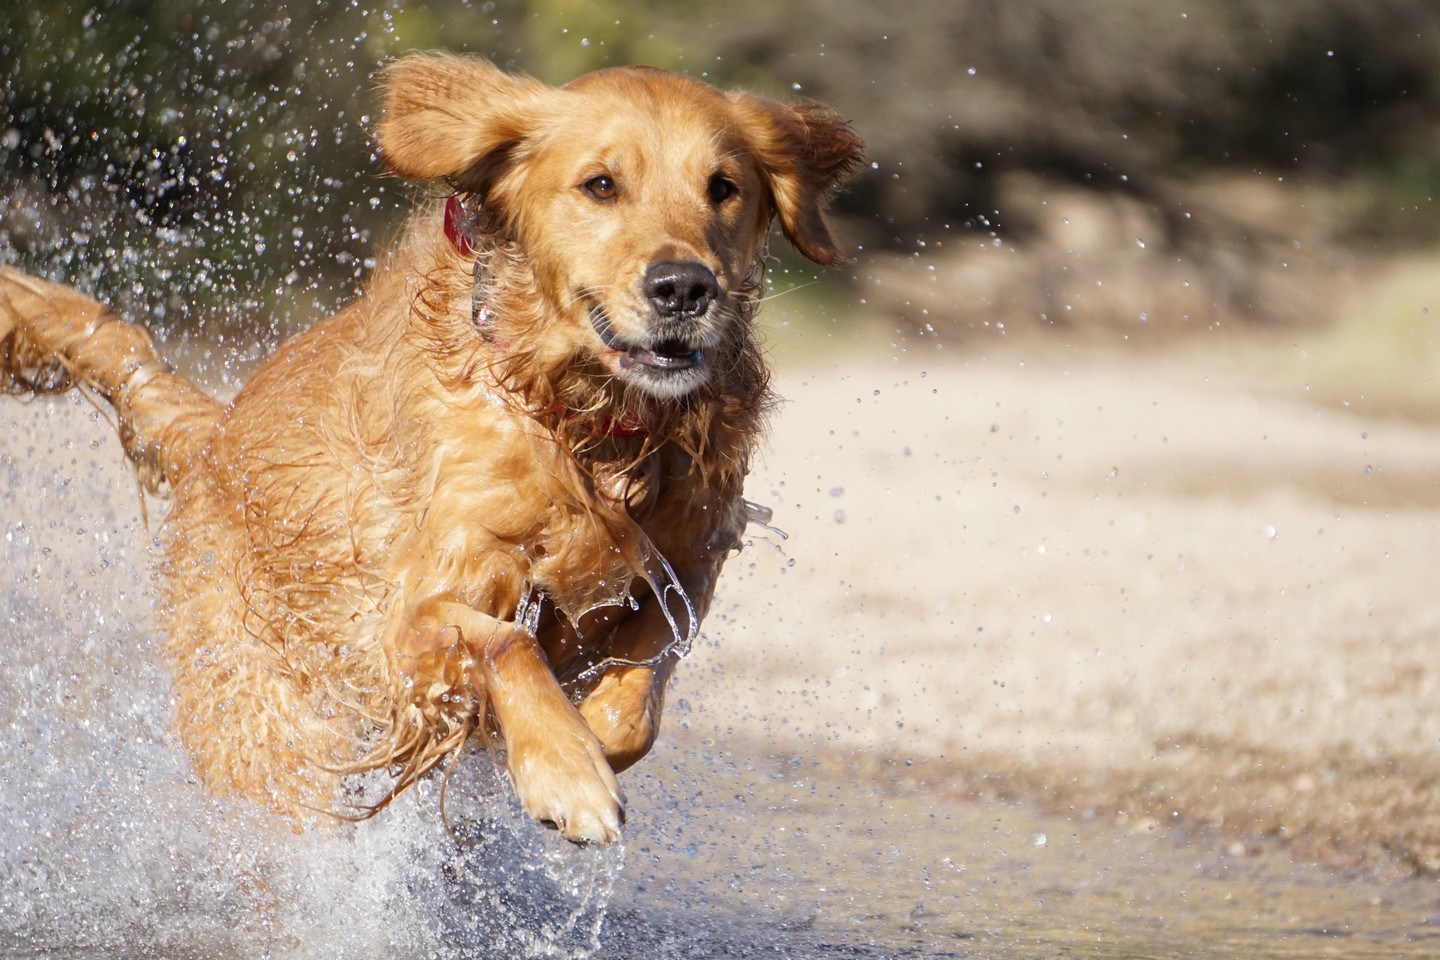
1163	585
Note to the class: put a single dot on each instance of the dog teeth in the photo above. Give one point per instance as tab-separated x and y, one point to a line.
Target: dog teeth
677	351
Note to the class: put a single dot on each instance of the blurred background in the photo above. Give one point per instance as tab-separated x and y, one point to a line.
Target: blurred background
1141	165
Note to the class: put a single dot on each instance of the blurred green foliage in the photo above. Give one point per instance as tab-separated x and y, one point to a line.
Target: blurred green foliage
219	151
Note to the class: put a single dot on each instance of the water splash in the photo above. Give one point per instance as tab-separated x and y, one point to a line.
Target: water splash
108	845
759	515
512	887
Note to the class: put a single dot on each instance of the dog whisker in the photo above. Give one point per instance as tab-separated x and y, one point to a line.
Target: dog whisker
795	288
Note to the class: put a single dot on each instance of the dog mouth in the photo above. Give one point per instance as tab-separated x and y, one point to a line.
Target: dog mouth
666	355
660	358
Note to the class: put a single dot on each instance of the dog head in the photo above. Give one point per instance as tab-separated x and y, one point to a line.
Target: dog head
639	198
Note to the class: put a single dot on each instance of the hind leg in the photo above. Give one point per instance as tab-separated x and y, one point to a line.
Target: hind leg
236	701
229	715
53	338
245	714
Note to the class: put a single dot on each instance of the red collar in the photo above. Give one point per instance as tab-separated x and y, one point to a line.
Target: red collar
460	226
627	425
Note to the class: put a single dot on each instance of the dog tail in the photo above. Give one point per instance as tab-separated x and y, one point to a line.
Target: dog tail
53	338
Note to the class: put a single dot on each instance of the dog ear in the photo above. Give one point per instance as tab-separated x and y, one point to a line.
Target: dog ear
447	115
806	152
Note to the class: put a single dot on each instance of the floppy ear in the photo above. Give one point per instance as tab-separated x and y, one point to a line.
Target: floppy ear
446	114
806	151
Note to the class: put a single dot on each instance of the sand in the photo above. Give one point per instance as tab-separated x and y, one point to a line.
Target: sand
1160	584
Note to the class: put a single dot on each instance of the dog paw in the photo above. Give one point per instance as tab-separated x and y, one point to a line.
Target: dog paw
567	782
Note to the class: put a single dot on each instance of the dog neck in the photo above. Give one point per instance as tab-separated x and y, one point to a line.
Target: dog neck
626	424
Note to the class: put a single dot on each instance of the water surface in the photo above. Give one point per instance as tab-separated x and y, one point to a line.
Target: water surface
811	859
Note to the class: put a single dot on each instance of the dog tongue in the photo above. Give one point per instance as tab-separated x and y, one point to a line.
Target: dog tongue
667	361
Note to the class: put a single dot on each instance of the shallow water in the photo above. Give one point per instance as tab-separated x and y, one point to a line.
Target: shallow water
794	859
109	849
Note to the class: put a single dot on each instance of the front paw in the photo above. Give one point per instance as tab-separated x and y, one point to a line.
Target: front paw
565	780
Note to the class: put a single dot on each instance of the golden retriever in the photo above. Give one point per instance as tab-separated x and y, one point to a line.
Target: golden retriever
493	495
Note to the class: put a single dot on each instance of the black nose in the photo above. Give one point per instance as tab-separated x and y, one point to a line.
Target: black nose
680	291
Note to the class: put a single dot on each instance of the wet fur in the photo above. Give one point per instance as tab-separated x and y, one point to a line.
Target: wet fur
416	526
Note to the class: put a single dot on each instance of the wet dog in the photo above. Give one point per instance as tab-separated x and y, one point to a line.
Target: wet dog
491	498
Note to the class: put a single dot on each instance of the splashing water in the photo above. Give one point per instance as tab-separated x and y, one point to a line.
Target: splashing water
108	846
210	165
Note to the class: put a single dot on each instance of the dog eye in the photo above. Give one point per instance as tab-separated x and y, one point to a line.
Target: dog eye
601	187
721	189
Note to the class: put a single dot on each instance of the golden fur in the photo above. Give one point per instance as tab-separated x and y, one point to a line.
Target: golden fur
494	494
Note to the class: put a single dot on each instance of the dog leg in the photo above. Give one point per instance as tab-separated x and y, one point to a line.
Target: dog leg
556	763
624	707
53	338
624	711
